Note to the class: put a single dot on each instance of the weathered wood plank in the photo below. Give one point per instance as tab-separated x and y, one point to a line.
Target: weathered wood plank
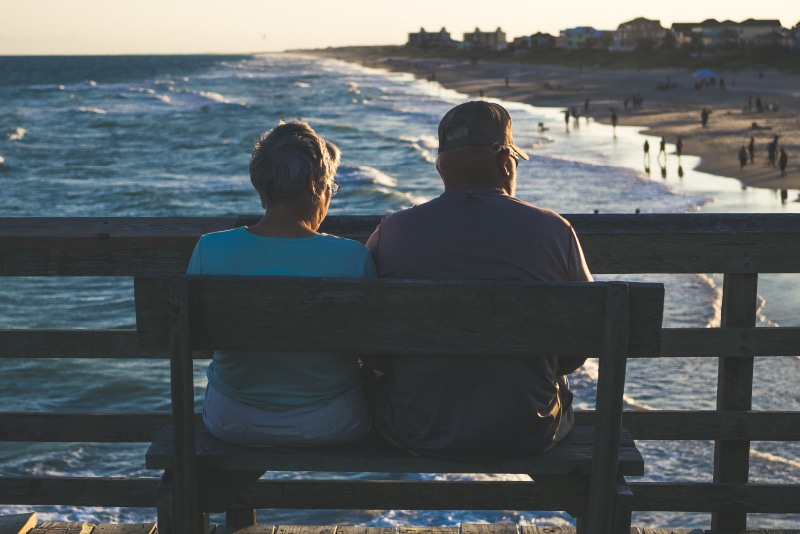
373	316
722	497
53	527
17	523
75	343
138	528
427	530
655	243
305	529
735	392
77	491
252	529
82	427
643	425
559	494
349	529
123	343
729	342
573	455
483	528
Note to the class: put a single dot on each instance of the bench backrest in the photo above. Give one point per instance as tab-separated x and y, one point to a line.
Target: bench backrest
294	314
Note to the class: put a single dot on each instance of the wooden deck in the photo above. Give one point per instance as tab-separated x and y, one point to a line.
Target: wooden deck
27	524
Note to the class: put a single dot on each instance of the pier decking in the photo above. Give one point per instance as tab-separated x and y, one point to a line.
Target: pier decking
26	524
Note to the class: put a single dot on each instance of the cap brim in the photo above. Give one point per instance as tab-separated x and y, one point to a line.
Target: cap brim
521	153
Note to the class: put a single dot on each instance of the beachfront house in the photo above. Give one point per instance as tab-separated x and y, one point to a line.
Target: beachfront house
755	33
713	34
584	37
495	40
639	33
423	39
538	40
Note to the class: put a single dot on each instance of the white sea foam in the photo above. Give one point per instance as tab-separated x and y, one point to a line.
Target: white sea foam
86	109
426	145
774	458
302	84
2	160
17	134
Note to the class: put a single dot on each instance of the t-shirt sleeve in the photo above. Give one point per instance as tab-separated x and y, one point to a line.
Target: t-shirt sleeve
196	263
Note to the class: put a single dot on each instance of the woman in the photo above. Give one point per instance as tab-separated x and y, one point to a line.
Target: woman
291	399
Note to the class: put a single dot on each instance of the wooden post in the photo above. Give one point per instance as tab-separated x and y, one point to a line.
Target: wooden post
735	392
186	512
611	380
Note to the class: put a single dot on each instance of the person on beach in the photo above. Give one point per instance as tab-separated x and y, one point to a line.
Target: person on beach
751	150
614	119
662	148
704	117
783	161
286	399
476	230
679	146
742	157
772	151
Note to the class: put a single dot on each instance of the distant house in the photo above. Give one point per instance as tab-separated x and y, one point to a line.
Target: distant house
583	37
495	40
751	29
639	32
537	40
687	33
423	39
714	34
795	43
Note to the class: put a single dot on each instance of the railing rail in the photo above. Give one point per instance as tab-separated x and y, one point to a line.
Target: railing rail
740	246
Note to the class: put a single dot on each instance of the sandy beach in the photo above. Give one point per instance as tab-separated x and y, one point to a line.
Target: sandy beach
671	106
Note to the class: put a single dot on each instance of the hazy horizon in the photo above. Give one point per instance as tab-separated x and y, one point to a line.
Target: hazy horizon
93	27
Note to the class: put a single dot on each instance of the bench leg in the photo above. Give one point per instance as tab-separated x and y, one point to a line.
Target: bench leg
165	507
623	508
236	516
164	504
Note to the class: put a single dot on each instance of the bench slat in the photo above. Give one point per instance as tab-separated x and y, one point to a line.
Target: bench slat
376	316
573	455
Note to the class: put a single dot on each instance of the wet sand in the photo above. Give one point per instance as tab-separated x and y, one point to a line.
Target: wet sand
671	107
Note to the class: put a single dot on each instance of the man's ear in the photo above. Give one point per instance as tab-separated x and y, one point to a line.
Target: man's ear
504	159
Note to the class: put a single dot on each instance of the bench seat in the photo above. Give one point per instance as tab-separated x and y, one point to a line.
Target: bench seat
573	456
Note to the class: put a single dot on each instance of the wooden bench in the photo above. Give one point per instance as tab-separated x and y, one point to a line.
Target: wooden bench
583	475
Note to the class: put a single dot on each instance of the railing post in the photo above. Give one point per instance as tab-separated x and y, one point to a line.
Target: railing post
735	392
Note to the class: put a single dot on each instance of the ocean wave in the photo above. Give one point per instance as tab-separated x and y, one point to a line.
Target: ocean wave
88	109
17	134
774	458
361	174
425	145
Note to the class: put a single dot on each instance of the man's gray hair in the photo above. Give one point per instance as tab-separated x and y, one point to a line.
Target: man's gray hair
286	157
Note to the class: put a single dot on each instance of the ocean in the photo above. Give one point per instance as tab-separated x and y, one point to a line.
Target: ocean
172	136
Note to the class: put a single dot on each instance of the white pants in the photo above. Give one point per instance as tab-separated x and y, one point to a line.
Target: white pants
343	420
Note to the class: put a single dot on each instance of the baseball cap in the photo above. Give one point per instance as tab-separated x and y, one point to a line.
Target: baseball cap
477	123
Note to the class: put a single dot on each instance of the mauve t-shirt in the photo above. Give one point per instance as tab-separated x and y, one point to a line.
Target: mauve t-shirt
476	407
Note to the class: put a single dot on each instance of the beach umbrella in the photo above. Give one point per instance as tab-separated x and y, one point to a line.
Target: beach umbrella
704	73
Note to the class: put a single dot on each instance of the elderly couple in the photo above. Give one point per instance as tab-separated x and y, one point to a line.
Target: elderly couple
445	407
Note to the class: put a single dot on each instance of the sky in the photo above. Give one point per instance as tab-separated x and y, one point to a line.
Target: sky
79	27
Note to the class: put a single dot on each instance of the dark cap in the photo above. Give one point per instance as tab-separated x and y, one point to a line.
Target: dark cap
477	123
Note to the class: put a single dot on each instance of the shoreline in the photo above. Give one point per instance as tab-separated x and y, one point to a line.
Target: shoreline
671	107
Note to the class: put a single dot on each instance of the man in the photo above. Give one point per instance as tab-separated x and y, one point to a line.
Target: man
456	407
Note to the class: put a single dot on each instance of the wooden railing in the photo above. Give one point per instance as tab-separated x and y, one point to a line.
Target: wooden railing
741	246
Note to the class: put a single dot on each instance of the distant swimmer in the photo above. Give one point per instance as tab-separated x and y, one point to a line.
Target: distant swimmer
542	127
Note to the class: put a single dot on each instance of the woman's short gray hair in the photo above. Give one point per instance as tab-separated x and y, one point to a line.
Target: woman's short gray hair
286	157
